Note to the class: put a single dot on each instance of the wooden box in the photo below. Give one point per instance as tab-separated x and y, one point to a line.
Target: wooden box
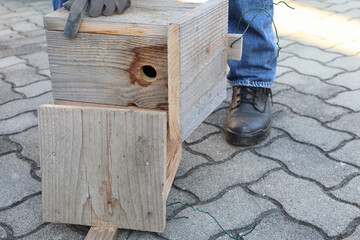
128	90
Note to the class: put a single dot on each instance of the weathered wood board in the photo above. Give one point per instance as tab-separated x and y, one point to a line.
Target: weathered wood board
197	49
107	69
99	233
103	165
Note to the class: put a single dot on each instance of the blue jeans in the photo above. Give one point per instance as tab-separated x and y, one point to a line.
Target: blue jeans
257	67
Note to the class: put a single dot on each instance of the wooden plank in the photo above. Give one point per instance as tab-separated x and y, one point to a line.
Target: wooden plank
235	50
197	49
107	69
173	156
100	233
103	164
143	18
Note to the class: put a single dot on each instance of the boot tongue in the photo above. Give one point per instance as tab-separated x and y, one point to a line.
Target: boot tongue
248	95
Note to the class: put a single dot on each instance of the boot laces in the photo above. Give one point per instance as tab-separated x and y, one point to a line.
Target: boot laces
249	95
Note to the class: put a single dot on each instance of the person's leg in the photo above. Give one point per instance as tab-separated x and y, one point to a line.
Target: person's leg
252	77
57	4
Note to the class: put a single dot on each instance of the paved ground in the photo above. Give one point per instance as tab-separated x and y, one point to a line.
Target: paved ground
302	183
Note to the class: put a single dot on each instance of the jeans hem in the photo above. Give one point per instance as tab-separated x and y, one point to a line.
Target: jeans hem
250	83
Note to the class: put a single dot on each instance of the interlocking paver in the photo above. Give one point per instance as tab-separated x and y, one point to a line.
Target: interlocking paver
309	85
300	104
310	67
61	231
9	61
349	99
21	75
17	107
349	79
307	162
276	226
6	94
6	146
350	192
8	35
245	167
23	26
189	161
340	8
280	70
306	201
235	209
35	88
310	52
38	59
176	195
348	153
224	150
18	123
25	41
29	141
15	180
308	130
350	63
24	217
278	87
201	131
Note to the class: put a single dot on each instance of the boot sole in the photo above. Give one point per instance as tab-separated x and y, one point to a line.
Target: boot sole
248	139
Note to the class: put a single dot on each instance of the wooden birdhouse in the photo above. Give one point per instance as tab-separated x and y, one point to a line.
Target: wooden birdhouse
127	91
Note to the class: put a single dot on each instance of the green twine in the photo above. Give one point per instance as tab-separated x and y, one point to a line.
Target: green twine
201	211
217	222
259	11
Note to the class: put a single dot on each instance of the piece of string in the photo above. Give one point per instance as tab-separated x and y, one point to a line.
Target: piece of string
259	11
241	237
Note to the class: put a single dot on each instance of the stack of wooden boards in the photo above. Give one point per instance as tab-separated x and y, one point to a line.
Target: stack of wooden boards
128	90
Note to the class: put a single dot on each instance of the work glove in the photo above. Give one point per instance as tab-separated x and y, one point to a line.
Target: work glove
95	8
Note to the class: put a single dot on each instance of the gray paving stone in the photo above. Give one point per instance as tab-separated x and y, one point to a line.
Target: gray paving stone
16	107
35	88
310	52
309	85
6	146
45	72
29	140
209	181
224	150
278	87
355	235
349	79
38	20
340	8
307	130
26	41
280	70
300	104
235	209
276	226
310	67
219	117
21	75
8	35
350	63
2	233
58	231
305	201
201	131
349	99
189	161
350	192
24	26
24	217
15	180
6	94
353	14
18	123
38	59
307	161
21	50
177	196
284	55
348	153
9	61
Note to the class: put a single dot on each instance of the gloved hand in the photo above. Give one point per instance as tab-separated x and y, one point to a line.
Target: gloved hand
77	9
